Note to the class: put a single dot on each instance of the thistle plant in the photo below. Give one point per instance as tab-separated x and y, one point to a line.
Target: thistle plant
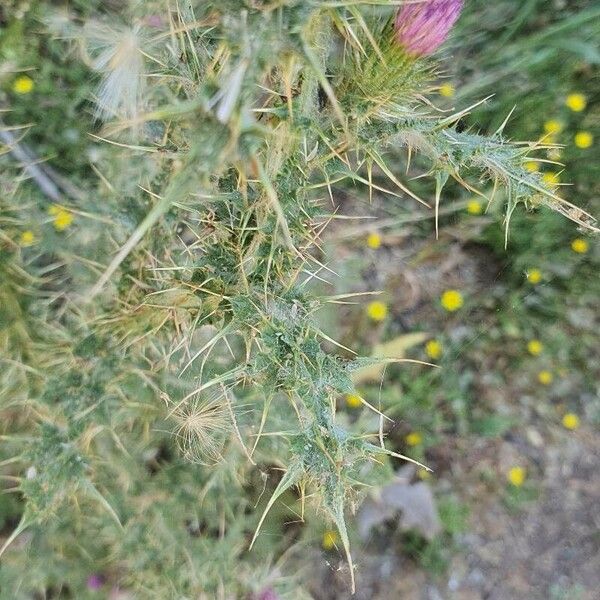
174	371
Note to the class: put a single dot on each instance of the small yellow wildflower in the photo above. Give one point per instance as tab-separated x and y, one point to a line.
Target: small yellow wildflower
551	179
474	207
553	126
576	102
534	276
451	300
330	539
433	349
23	85
62	217
580	246
532	166
447	90
414	438
584	139
62	220
535	347
374	241
516	476
377	311
353	401
545	377
27	238
570	421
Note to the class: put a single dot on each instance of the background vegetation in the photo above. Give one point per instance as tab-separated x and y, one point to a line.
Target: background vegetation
105	468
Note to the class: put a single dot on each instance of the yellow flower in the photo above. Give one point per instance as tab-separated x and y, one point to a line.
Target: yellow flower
545	377
534	276
62	220
579	245
553	126
433	349
330	539
451	300
374	240
474	207
570	421
584	139
62	217
447	90
414	438
535	347
516	476
353	401
377	311
551	179
27	238
23	85
532	166
576	102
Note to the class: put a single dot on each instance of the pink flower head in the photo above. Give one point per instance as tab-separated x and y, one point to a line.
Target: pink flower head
268	594
95	581
422	27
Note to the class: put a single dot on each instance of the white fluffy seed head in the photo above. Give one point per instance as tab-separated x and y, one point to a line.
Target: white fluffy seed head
202	425
117	54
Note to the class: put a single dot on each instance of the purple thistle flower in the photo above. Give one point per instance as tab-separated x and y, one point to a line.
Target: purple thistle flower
422	27
95	581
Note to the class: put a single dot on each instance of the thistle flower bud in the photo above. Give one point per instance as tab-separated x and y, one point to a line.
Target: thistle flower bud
422	27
